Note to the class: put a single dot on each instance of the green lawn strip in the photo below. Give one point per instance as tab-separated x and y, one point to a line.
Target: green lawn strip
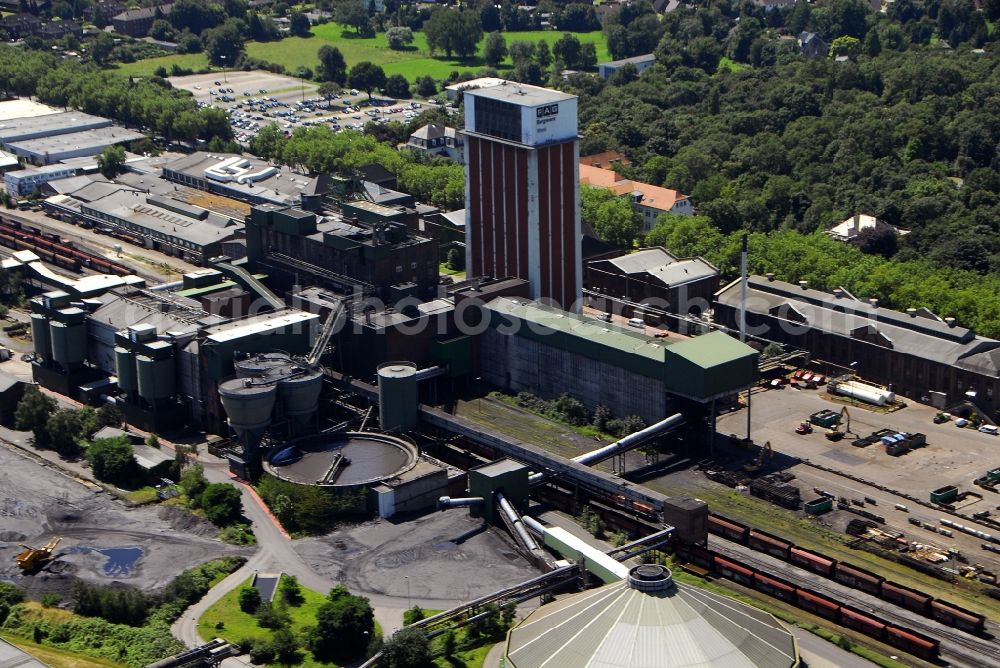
415	61
238	625
443	269
58	658
810	535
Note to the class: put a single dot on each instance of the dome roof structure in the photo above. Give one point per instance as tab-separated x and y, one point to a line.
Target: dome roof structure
649	621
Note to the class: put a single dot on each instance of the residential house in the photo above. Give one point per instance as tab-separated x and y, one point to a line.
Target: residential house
19	26
109	8
770	5
649	201
656	279
849	230
437	140
605	159
812	45
59	29
137	22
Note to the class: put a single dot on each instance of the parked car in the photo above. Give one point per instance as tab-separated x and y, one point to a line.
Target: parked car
637	322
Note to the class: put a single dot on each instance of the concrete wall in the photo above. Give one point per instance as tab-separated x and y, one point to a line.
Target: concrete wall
517	364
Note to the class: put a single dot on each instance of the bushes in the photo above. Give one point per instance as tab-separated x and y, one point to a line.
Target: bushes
249	599
571	410
344	625
221	503
310	510
112	460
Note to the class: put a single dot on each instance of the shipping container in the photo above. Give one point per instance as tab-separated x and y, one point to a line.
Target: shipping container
858	578
812	561
770	544
906	597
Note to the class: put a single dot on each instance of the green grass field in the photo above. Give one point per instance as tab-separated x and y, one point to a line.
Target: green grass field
416	61
238	625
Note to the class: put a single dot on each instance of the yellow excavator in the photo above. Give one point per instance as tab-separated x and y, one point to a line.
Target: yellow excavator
763	457
834	433
34	558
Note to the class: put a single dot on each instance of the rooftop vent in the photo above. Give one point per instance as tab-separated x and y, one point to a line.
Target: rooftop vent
770	276
950	322
804	285
912	312
838	292
873	301
651	578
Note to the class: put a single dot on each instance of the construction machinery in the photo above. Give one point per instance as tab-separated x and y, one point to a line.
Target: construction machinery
804	428
34	558
834	433
763	457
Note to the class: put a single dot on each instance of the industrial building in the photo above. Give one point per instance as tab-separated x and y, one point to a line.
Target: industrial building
58	147
373	253
641	63
536	348
653	277
38	126
916	354
21	182
159	222
522	199
246	178
648	620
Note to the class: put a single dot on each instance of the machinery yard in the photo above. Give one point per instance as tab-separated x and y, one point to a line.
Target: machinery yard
102	540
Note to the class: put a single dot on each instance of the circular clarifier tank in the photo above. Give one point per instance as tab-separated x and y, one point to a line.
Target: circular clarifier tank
347	459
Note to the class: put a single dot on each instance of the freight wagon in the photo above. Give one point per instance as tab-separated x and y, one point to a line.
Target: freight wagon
858	578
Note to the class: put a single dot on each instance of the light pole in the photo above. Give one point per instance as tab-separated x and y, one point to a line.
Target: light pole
223	59
409	603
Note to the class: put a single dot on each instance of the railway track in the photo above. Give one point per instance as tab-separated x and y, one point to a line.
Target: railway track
962	648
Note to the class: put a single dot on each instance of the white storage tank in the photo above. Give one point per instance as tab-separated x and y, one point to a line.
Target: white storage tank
128	380
867	393
156	377
69	342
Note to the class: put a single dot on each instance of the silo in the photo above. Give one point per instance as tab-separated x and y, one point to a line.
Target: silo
249	405
397	396
259	364
40	336
69	342
155	376
125	369
300	391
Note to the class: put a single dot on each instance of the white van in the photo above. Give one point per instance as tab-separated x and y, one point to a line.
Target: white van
989	429
637	322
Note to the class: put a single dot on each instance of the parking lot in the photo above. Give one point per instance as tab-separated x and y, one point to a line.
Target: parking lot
257	99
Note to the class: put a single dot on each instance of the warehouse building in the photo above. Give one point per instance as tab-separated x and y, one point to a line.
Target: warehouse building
158	222
530	347
245	178
653	277
25	128
916	354
64	146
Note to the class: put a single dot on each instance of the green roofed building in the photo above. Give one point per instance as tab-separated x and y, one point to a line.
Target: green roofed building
531	347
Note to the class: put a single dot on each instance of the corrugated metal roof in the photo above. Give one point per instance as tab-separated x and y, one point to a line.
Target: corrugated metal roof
712	349
616	626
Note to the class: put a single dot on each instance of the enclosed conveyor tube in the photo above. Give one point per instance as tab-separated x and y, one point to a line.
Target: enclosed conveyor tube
446	502
527	541
431	372
620	446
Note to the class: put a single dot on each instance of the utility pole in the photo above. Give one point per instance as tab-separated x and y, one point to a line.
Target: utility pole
743	312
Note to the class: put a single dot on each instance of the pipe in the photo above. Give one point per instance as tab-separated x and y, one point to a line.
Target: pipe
446	502
515	519
166	286
627	443
431	372
534	525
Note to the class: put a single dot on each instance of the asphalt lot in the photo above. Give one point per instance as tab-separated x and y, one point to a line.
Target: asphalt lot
256	99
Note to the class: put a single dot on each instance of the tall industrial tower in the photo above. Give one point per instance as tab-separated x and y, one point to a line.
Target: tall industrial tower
522	193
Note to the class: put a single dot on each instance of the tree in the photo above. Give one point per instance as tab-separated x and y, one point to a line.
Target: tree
196	15
112	460
612	217
32	414
567	50
111	161
109	415
331	65
328	90
366	76
397	87
162	30
286	647
352	13
845	46
398	37
299	24
522	53
426	86
408	648
543	55
290	590
222	503
100	18
453	31
455	260
494	49
223	44
344	623
413	615
101	48
63	429
249	599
